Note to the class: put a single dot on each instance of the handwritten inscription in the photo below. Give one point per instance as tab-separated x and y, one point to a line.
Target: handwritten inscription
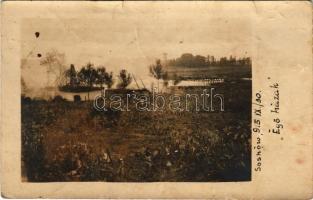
256	129
275	109
268	106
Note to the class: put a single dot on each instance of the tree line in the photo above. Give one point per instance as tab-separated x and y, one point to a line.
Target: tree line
91	76
189	60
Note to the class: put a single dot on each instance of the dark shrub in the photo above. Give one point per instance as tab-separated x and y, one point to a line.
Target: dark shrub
58	98
77	98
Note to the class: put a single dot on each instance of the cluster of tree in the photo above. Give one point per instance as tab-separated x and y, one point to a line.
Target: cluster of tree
189	60
90	76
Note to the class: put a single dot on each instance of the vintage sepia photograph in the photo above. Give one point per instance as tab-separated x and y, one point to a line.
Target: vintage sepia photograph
156	99
137	96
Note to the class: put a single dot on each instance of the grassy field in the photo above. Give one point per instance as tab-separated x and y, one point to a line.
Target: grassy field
70	141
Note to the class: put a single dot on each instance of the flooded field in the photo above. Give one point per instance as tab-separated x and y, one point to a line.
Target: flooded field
234	72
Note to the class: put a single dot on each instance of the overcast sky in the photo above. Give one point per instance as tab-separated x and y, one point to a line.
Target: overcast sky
132	36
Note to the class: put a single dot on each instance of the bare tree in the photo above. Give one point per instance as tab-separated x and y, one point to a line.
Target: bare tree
124	79
158	72
55	64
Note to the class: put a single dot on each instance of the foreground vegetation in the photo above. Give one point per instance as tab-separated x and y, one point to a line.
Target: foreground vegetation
70	141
